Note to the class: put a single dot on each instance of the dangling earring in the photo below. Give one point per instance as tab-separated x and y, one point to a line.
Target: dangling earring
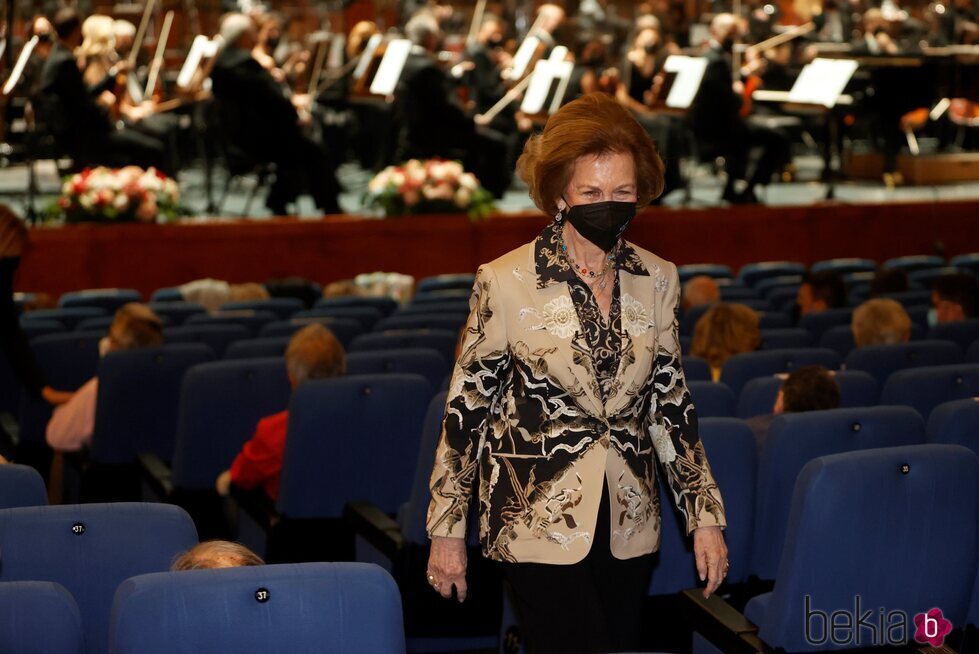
558	217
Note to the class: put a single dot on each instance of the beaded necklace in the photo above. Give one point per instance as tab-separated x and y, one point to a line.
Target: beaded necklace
590	274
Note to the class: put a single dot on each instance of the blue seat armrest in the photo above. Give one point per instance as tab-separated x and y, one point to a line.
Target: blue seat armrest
722	624
258	506
376	527
156	474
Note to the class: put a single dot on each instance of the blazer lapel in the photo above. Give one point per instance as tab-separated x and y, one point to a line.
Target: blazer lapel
638	300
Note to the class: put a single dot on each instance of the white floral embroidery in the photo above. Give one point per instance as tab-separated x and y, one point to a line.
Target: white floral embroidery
663	444
516	273
560	318
635	321
661	284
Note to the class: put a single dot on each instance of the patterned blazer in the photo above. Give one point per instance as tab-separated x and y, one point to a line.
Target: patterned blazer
525	415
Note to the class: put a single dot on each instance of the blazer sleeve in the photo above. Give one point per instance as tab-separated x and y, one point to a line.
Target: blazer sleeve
484	360
675	432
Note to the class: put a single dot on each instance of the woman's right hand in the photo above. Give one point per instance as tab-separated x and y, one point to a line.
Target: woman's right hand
447	567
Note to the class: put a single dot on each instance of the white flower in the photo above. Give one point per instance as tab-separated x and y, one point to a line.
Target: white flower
121	202
454	169
398	179
468	181
560	318
462	198
380	182
663	444
661	284
634	318
438	172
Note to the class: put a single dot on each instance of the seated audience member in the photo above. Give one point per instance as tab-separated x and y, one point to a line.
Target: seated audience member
809	388
889	280
212	293
213	554
880	322
821	291
725	330
954	298
698	291
71	426
313	353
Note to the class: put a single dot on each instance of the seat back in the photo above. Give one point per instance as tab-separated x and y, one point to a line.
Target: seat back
713	270
858	523
839	338
258	348
817	323
793	440
251	320
69	317
220	405
176	313
367	316
730	447
418	361
963	333
310	607
422	321
348	440
972	355
39	616
412	516
282	307
779	339
108	299
345	329
955	422
443	341
712	399
385	305
739	369
216	337
90	549
21	486
883	360
139	400
750	274
857	389
844	265
454	281
696	369
914	262
926	388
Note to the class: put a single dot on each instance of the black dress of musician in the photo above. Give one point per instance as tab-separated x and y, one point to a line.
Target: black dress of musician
259	125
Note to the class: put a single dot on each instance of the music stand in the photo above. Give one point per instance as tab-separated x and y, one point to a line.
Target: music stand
392	65
685	75
546	74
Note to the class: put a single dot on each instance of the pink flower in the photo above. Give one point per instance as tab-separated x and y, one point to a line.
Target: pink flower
411	197
931	628
147	210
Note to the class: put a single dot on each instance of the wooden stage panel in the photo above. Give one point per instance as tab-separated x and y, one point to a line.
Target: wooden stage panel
147	257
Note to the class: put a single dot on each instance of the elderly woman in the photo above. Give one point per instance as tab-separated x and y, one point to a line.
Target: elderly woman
567	390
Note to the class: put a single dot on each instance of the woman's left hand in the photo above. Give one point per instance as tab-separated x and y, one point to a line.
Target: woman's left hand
710	552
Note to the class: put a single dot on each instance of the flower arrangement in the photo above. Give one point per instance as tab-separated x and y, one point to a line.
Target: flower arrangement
124	195
430	186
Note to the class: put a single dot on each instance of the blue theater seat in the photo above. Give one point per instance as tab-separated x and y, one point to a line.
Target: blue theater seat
272	609
253	321
818	323
844	266
444	321
739	369
455	308
926	388
39	616
366	316
35	328
766	286
882	361
793	440
258	348
345	329
915	262
69	317
90	549
781	339
169	294
857	389
216	337
968	262
696	369
418	361
282	307
443	341
858	523
100	324
176	313
21	486
463	281
909	299
963	332
385	305
956	422
109	299
753	273
712	399
714	270
972	355
441	297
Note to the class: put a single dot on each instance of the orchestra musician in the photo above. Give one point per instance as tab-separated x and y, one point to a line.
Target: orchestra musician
81	125
256	117
432	124
717	124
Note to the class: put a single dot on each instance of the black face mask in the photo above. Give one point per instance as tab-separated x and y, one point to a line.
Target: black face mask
602	223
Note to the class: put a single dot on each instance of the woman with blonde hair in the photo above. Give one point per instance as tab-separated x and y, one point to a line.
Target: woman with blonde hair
722	332
97	53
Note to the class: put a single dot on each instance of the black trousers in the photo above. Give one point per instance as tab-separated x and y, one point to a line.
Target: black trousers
775	153
588	607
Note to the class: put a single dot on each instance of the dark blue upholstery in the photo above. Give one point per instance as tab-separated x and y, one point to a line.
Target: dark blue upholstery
926	388
35	328
712	399
169	294
753	273
859	524
100	324
463	281
730	449
969	262
108	299
366	316
345	329
882	361
739	369
412	515
383	304
448	322
738	293
972	618
90	549
216	337
839	338
67	317
773	320
688	320
857	389
348	439
441	297
258	348
696	369
926	276
793	440
963	332
910	298
956	422
767	318
220	405
440	340
769	284
253	321
783	298
972	355
21	486
39	616
915	262
780	339
282	307
715	270
138	401
418	361
818	323
311	607
844	266
176	313
67	360
455	307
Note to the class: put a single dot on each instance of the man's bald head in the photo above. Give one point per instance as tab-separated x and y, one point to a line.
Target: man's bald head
699	291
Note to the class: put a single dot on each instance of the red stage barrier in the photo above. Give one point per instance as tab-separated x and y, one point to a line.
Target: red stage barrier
147	257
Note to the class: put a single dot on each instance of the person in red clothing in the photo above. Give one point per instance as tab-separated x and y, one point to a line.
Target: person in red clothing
313	353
